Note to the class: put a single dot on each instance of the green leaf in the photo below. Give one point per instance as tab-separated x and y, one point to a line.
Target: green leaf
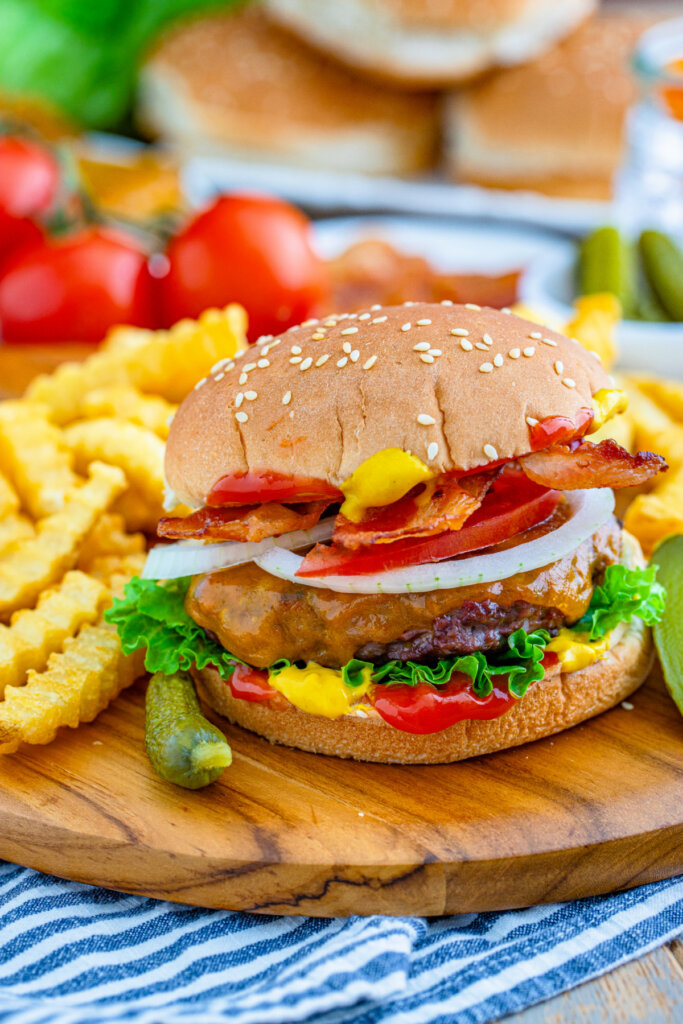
153	615
623	594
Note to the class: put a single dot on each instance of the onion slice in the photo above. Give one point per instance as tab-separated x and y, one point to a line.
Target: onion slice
590	510
189	558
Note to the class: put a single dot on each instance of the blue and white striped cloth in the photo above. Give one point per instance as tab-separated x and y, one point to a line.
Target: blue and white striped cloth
73	954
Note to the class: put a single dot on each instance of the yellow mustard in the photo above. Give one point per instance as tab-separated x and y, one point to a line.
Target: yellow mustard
319	690
576	651
382	479
607	402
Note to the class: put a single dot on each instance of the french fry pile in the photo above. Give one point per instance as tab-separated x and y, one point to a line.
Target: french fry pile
81	473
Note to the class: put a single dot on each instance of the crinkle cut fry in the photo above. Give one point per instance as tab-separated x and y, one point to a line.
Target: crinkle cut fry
9	500
135	450
149	411
109	537
36	633
166	363
28	566
79	682
34	457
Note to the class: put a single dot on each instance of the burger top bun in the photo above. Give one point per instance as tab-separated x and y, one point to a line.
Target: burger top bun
458	386
427	43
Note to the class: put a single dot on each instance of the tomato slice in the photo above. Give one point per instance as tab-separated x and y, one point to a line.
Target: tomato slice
252	684
510	507
560	429
425	708
264	485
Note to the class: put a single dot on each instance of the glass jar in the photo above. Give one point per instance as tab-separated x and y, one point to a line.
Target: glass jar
649	185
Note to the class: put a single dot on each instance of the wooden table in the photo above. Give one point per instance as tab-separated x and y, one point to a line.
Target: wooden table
646	990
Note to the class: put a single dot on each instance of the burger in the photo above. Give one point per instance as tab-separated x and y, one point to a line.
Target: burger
400	544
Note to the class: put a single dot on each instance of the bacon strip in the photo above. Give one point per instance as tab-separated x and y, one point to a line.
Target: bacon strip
440	507
605	464
248	522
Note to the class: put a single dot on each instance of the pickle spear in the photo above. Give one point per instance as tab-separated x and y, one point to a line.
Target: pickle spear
663	265
183	746
669	631
607	264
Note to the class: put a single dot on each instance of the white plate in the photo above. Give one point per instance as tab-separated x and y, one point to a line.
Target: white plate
548	285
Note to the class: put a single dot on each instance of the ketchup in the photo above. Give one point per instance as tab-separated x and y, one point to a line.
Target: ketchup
258	486
248	683
426	709
559	429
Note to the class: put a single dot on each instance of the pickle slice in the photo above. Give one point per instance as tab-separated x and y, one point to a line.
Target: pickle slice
669	631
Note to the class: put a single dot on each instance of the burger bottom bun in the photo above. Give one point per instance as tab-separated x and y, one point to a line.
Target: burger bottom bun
556	703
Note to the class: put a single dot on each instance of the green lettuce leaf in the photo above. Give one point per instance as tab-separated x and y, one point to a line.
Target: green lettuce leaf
623	594
153	615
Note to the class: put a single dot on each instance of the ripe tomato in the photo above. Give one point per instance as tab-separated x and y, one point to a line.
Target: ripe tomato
29	179
251	249
251	684
513	504
256	487
425	708
75	288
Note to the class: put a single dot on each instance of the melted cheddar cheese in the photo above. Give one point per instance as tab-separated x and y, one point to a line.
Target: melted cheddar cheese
381	480
319	690
576	651
607	402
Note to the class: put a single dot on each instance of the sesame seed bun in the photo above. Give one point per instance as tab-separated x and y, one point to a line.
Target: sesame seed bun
233	84
554	125
420	44
558	702
321	398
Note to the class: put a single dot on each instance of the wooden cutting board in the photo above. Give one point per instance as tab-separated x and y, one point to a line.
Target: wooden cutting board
596	808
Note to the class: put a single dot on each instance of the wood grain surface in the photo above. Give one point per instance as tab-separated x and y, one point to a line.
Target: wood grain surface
587	811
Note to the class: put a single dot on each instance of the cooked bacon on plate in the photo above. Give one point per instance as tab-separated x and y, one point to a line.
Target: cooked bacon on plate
440	507
247	522
605	464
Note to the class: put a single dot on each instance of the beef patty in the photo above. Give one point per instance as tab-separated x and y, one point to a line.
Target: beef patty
260	618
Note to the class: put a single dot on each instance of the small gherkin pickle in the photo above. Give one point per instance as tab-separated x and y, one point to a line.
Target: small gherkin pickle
607	264
669	631
183	746
663	265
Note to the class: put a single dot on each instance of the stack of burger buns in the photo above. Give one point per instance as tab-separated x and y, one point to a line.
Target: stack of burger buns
523	93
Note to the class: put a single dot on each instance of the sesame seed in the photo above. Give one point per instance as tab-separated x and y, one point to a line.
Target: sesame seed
459	332
536	335
306	363
498	359
346	347
433	450
426	358
472	305
354	355
264	351
296	350
406	327
626	705
435	352
318	337
251	366
364	316
514	353
309	323
350	330
422	346
244	377
466	345
487	339
322	360
423	323
532	421
352	316
330	323
239	398
529	351
219	365
559	368
251	396
486	368
379	319
549	341
295	327
295	359
408	303
287	398
199	383
490	452
241	417
568	382
342	362
219	376
447	302
425	420
277	341
481	346
370	363
376	306
262	363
